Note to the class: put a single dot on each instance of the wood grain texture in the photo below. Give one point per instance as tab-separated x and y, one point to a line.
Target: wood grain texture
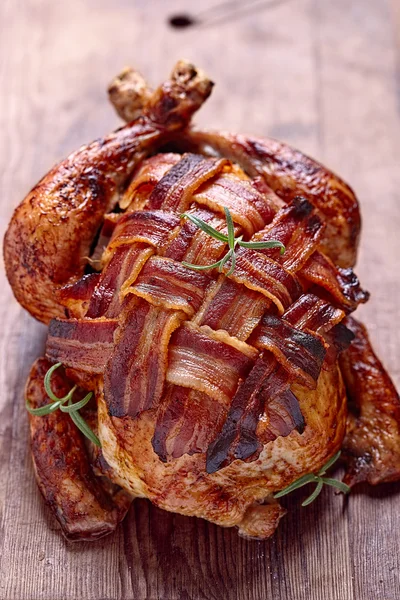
321	75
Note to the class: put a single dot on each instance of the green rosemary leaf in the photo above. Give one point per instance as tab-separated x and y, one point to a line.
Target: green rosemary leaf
47	385
233	263
329	463
49	391
314	495
231	228
72	408
217	235
260	245
224	260
228	239
84	427
320	482
43	410
337	484
304	480
201	267
77	405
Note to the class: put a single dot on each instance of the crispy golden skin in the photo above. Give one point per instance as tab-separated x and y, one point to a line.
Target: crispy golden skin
48	241
371	447
87	507
225	497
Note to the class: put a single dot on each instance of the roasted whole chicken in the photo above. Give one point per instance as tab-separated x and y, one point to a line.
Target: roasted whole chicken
200	285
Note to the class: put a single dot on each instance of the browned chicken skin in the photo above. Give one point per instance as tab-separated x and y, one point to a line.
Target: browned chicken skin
50	235
86	506
266	404
371	448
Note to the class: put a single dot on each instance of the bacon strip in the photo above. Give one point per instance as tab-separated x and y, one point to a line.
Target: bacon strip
76	296
301	354
313	313
167	283
174	191
208	361
145	179
186	422
299	228
248	207
134	375
193	245
341	284
282	416
123	268
149	227
261	273
85	345
232	307
238	439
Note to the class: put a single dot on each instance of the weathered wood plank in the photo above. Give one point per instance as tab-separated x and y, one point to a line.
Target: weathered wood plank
318	74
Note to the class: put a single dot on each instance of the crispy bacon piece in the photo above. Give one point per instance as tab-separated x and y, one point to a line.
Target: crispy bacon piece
232	307
83	504
167	283
208	361
247	444
186	422
299	228
76	296
121	271
147	175
134	375
261	273
339	339
247	206
195	246
310	312
282	415
148	227
371	448
85	345
342	284
174	191
300	353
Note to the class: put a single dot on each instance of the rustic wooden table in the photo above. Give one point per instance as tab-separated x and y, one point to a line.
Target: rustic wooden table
321	75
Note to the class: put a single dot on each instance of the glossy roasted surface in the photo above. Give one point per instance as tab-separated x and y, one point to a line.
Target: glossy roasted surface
194	372
342	109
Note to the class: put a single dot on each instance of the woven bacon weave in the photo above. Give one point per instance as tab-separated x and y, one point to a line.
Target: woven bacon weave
213	356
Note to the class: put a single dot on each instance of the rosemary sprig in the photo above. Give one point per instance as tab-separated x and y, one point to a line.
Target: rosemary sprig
227	239
66	405
318	479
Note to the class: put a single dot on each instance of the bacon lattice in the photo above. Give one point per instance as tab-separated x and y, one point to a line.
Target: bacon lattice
213	356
